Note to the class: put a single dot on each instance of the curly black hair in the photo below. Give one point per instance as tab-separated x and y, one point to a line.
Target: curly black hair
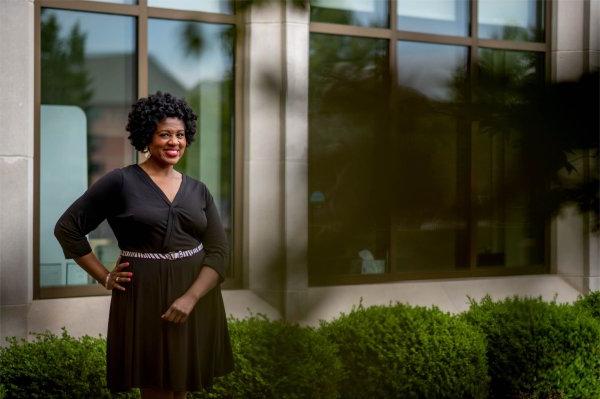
147	112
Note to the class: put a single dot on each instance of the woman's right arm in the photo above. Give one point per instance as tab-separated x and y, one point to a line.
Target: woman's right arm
83	216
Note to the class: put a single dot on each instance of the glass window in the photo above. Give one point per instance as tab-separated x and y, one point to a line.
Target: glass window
216	6
88	83
428	225
194	60
516	20
443	17
507	189
372	13
348	129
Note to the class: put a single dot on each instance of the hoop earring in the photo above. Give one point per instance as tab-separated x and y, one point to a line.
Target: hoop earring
147	152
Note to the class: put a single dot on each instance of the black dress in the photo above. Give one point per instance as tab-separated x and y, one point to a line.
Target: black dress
143	350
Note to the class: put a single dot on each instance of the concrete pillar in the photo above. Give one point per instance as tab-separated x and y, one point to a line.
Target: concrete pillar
264	260
16	165
276	143
295	132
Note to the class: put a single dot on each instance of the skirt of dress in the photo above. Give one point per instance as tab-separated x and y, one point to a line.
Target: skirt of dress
144	351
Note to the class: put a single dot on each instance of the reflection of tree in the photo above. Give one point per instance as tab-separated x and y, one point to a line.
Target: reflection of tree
64	77
349	120
547	124
377	165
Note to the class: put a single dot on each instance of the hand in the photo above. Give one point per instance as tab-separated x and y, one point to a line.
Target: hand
180	309
118	276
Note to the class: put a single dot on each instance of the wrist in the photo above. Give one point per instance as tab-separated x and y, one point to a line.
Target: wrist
194	296
104	281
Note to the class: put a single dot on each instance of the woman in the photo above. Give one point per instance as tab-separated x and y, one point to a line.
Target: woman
167	329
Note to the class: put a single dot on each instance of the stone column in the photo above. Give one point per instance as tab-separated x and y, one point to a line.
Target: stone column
276	142
264	260
295	133
16	165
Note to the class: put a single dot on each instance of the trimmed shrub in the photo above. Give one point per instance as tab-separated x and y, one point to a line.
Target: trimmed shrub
54	366
590	303
408	352
537	349
277	359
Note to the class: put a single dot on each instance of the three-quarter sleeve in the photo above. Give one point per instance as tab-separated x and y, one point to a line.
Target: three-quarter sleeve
86	213
214	239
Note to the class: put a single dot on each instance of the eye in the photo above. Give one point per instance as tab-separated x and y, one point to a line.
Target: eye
180	135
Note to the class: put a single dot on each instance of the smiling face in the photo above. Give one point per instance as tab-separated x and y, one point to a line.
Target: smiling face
168	142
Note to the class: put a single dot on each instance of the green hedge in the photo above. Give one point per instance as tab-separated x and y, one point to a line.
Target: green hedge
537	349
54	366
518	347
590	303
276	359
408	352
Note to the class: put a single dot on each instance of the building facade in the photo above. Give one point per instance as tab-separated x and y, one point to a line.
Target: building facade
338	139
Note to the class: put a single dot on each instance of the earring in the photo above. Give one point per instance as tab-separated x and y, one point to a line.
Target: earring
147	153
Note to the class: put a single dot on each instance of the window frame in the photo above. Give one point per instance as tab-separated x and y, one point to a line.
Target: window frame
141	12
473	43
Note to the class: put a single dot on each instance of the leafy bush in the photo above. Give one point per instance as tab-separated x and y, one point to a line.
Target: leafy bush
54	366
538	349
590	303
408	352
276	359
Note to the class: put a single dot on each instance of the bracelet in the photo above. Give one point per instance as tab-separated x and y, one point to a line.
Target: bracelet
106	280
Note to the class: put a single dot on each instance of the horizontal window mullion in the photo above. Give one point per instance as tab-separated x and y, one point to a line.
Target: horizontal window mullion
91	6
349	30
431	38
508	45
200	16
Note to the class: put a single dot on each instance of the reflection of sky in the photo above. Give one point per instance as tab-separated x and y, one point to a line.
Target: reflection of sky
105	34
165	44
507	12
364	12
429	68
444	17
216	6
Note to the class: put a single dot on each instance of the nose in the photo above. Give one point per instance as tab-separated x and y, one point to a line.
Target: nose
173	140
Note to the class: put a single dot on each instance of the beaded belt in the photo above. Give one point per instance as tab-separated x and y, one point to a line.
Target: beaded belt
168	256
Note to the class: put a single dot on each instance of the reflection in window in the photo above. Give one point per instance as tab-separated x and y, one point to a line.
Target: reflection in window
87	86
216	6
507	190
372	13
517	20
194	60
348	219
427	213
443	17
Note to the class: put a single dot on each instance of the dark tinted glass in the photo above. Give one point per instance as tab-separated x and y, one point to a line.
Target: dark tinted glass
428	222
508	187
348	131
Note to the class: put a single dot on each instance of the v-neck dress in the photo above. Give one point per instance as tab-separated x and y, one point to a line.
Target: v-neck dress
143	350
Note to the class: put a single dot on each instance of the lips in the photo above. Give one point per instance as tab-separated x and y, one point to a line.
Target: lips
172	153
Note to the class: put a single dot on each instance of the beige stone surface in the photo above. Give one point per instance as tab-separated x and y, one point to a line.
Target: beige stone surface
16	79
